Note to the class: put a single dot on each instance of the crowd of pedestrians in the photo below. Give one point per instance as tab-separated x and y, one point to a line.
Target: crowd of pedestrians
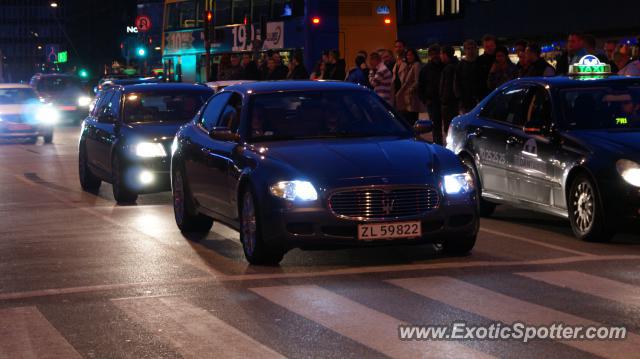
443	87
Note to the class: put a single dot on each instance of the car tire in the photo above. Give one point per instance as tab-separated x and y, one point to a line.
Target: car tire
31	140
187	219
459	246
586	214
256	251
48	138
485	208
121	192
88	181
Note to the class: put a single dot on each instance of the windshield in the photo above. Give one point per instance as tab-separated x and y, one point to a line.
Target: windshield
17	96
328	114
58	84
614	107
162	106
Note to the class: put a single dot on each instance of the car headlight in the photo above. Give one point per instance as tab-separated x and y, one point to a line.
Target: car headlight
294	190
458	183
150	149
84	101
630	171
47	115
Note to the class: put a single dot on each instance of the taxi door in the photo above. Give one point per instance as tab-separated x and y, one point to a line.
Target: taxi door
532	153
490	137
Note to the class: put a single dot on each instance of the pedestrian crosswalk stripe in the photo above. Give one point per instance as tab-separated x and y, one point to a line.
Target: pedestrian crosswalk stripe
355	321
590	284
193	331
26	333
499	307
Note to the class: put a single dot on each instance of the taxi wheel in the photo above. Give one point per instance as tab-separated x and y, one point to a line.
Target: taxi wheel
121	192
588	220
459	246
485	208
183	209
255	249
88	181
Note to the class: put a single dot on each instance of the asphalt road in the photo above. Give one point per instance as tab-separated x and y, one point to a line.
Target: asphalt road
83	277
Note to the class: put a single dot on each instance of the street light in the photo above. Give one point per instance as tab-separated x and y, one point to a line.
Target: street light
53	4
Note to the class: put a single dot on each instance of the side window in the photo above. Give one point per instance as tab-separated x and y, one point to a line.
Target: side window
509	106
213	110
230	117
102	102
114	104
539	114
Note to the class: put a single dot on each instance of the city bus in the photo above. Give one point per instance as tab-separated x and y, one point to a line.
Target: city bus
311	26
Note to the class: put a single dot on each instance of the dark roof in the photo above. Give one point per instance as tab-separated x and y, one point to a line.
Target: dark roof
276	86
147	87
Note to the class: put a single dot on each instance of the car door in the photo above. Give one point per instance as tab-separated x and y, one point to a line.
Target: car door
197	148
532	152
491	135
107	131
94	125
218	159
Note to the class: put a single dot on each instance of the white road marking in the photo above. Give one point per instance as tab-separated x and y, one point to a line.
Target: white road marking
193	331
355	321
535	242
500	307
597	286
26	333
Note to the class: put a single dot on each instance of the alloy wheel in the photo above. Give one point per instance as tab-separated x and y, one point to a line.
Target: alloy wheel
249	227
583	207
178	197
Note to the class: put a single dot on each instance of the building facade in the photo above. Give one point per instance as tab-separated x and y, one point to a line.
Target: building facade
30	30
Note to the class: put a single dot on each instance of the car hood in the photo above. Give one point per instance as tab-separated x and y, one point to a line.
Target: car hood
621	143
356	161
153	129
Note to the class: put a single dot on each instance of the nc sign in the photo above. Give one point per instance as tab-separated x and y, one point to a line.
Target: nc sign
132	30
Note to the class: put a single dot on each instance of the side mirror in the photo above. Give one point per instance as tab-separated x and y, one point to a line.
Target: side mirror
224	134
422	126
106	118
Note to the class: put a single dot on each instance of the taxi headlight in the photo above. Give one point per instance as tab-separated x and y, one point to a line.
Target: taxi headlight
47	115
150	149
630	171
294	190
84	101
458	183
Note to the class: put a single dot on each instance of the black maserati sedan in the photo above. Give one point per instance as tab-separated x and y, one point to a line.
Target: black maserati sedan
566	146
126	138
317	165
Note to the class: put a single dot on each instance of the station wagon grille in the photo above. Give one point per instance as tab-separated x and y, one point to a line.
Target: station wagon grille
383	203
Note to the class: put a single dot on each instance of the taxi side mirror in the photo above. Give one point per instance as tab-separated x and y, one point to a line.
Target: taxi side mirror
422	126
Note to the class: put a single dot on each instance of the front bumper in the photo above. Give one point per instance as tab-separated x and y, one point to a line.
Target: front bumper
318	228
149	175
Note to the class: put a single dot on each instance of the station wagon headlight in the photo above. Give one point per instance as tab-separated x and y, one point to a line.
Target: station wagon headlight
294	190
47	115
630	171
458	183
84	101
150	149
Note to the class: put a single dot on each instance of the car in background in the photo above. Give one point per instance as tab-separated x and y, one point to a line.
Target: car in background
23	115
218	86
566	146
126	138
110	81
66	92
304	164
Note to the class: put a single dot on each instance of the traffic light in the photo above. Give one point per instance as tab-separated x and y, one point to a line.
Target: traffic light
141	51
83	73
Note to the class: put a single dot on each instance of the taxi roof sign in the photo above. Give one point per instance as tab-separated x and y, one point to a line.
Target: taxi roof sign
589	65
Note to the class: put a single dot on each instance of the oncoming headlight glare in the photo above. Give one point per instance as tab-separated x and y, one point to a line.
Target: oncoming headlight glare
630	171
150	149
47	115
84	101
294	190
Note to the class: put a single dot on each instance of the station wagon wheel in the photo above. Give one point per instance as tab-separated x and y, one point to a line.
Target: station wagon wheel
88	181
255	249
587	218
187	219
121	191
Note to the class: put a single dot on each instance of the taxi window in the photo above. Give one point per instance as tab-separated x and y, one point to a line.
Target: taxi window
212	112
509	106
539	111
230	117
607	107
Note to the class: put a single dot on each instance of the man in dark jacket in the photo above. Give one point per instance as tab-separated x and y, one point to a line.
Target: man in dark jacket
448	99
249	69
338	66
468	82
298	71
538	67
429	90
485	62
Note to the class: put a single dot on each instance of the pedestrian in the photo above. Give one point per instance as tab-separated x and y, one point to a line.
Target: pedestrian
235	70
519	48
429	89
448	98
407	100
468	87
274	72
363	66
573	53
224	68
388	58
319	69
502	70
626	66
297	71
249	68
338	68
590	48
380	77
356	75
486	62
399	68
264	64
610	47
539	67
